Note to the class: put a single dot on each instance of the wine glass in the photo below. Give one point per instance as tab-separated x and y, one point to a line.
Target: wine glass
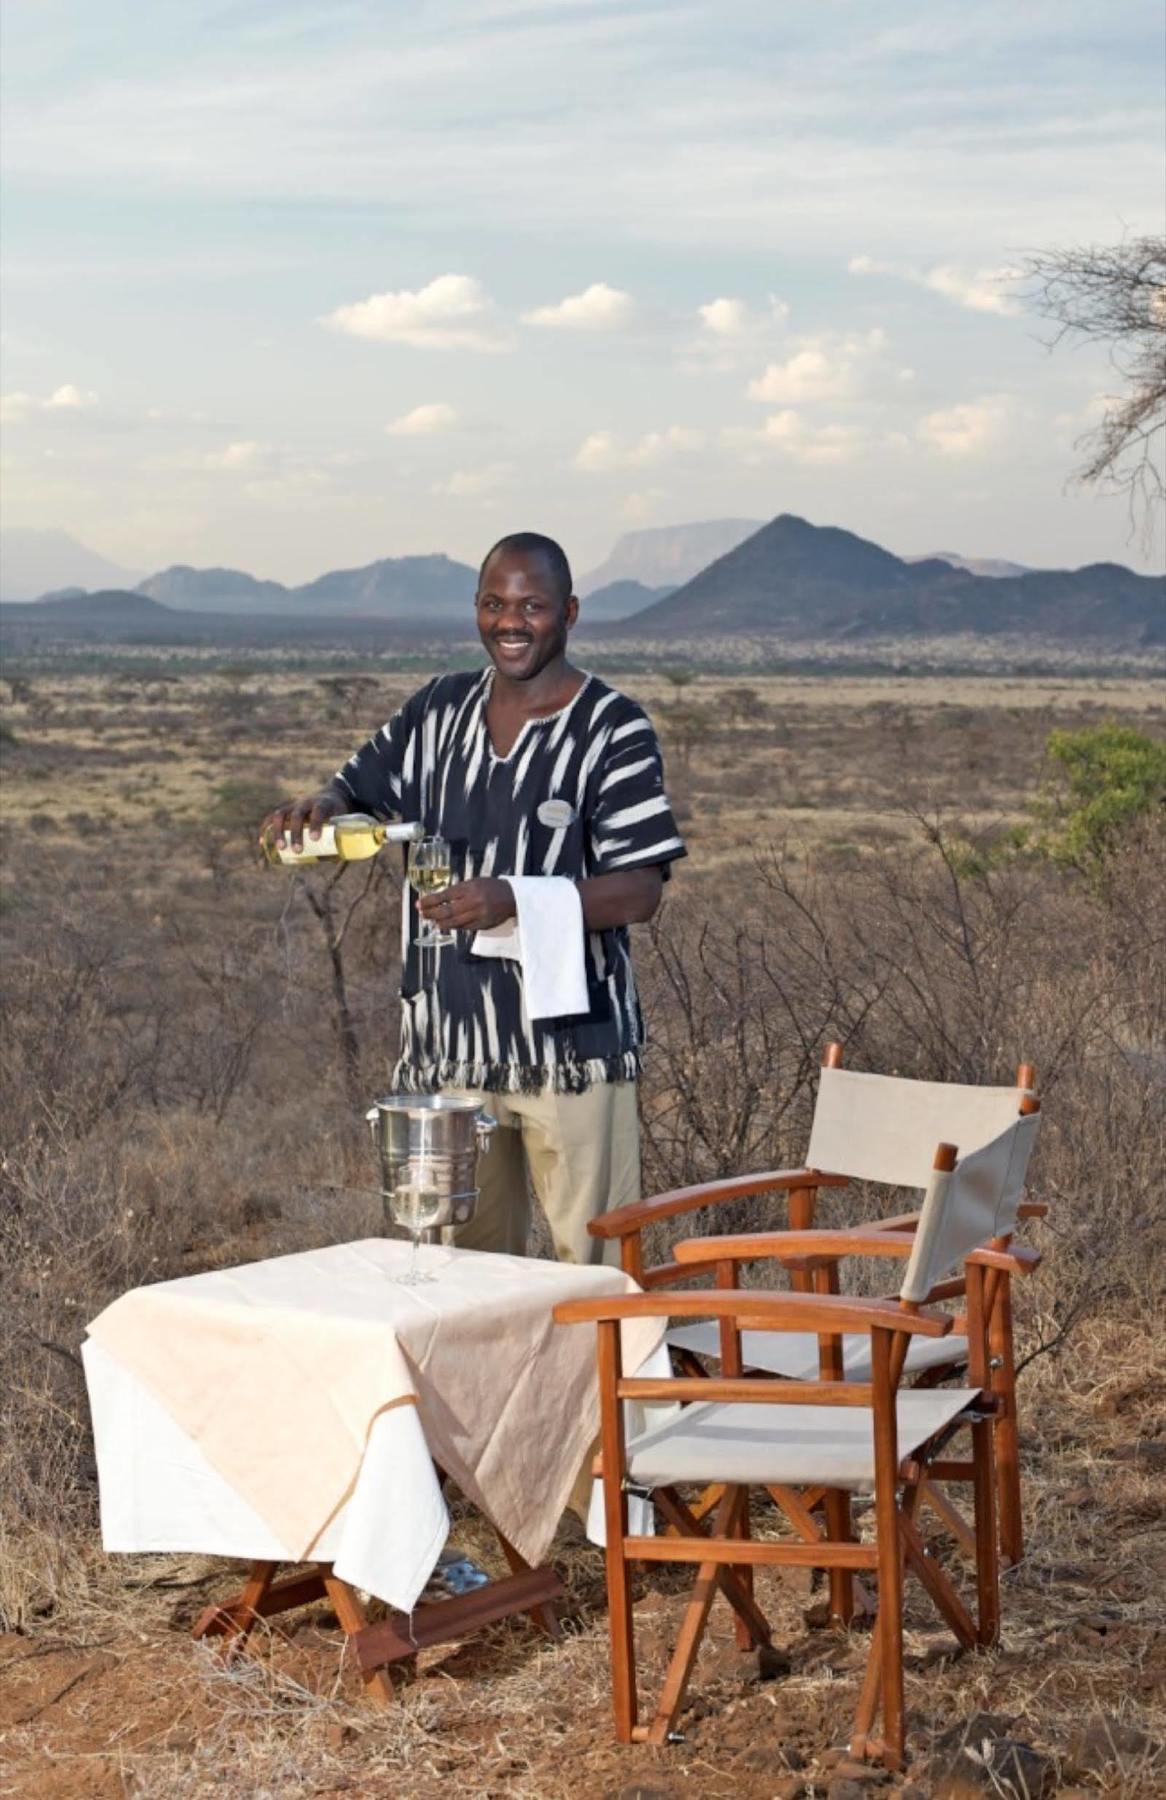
416	1205
430	871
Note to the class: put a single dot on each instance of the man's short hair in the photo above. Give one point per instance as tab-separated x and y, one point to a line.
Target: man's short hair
530	543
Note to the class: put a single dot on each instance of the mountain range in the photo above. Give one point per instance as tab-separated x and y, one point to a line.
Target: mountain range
400	588
785	582
806	583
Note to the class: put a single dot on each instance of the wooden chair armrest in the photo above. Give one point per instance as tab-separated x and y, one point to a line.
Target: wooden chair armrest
621	1221
789	1246
823	1314
665	1274
897	1222
1020	1260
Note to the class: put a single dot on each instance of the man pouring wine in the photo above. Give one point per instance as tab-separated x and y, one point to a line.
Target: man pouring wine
531	768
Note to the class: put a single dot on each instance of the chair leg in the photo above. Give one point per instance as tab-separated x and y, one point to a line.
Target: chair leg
839	1531
621	1629
889	1630
1007	1429
868	1699
691	1630
987	1546
744	1574
682	1522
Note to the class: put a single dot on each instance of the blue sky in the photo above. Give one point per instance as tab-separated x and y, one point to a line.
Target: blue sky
294	286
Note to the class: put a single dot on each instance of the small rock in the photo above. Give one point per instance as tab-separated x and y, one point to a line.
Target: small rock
1078	1496
788	1787
1105	1742
337	1735
766	1663
981	1754
971	1731
830	1759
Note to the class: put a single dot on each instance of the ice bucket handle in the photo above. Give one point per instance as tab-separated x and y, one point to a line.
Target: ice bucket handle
485	1127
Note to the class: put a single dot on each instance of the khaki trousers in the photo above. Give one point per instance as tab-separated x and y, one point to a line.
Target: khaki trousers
583	1155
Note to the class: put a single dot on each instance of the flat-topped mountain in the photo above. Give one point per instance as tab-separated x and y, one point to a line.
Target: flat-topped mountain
666	555
803	583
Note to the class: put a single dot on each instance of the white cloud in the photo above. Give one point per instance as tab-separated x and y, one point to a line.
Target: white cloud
246	455
829	367
468	484
726	318
16	407
789	432
452	312
424	421
969	428
980	290
597	308
602	450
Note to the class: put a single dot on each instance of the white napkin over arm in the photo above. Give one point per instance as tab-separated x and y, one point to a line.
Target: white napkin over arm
546	936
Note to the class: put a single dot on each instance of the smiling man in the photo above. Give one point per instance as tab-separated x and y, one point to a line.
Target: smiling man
530	768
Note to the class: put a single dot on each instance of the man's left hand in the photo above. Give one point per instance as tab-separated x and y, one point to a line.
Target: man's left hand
469	905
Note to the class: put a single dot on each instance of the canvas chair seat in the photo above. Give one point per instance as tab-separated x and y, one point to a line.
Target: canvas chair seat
785	1446
794	1354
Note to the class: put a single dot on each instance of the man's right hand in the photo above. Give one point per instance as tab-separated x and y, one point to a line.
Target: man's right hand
289	820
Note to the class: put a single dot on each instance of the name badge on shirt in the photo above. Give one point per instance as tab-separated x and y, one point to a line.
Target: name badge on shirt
557	814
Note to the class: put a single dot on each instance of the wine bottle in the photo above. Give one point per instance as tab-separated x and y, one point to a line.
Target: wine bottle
352	837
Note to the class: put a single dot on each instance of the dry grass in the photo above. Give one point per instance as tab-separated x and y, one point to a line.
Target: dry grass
169	1014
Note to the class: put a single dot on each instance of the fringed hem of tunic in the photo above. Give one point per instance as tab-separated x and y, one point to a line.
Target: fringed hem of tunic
515	1078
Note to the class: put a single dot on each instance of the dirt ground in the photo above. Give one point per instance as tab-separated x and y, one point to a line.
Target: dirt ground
112	1697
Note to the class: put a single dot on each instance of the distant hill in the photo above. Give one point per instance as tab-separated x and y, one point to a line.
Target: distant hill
33	562
667	555
994	566
214	590
619	600
803	583
74	603
411	589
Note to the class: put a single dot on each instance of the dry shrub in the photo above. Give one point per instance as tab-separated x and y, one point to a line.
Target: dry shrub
935	961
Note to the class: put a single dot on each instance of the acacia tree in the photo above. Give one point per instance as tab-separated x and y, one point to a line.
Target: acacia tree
1115	295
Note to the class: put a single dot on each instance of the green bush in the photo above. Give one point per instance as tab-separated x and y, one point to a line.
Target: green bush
1103	781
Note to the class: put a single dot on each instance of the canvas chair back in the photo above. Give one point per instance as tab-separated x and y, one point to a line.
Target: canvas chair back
884	1128
978	1200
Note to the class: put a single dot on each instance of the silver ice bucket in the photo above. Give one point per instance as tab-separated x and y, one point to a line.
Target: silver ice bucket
432	1141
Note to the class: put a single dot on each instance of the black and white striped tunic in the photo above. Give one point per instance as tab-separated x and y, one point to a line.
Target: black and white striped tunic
599	761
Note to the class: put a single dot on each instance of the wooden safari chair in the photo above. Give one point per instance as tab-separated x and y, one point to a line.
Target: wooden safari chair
880	1130
779	1436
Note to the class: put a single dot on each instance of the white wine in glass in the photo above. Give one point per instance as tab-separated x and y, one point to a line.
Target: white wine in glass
430	872
415	1207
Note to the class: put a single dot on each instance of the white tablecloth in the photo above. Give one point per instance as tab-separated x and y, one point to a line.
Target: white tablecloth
469	1370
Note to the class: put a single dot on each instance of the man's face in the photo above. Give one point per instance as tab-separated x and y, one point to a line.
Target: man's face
522	619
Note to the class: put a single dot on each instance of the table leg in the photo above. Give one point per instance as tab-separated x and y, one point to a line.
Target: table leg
378	1684
544	1616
